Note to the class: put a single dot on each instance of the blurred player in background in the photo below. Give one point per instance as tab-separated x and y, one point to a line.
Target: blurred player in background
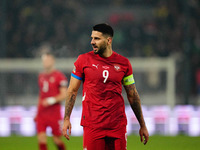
103	72
52	90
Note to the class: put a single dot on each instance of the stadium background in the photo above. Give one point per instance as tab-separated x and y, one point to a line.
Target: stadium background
155	30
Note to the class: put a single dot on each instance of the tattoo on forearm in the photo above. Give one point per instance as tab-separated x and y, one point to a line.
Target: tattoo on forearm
137	110
69	105
135	103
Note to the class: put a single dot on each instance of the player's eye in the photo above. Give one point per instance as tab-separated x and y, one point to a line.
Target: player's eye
96	38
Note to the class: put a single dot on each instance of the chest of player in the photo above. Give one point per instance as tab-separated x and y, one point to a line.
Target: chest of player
48	83
103	72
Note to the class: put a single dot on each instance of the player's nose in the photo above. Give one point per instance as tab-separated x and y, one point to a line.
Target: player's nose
92	42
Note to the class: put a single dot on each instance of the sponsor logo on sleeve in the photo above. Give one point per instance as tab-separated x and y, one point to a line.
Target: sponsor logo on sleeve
74	69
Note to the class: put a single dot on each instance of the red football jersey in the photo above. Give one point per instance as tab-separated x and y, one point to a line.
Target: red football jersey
49	85
103	104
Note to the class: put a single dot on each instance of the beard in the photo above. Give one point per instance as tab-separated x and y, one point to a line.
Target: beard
101	49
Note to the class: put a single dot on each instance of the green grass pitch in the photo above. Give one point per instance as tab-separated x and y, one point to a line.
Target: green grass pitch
133	143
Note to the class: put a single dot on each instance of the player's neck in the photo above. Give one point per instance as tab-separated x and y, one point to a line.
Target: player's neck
108	52
49	70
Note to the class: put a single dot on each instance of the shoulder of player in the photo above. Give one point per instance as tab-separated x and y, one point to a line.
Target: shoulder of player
85	55
121	58
58	72
59	75
41	74
90	53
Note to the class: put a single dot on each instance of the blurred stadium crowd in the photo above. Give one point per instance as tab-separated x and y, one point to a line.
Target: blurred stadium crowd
65	23
161	29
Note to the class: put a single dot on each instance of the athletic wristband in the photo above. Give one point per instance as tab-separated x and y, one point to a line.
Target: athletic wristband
51	100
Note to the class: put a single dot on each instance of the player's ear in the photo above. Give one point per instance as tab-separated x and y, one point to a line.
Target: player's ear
109	40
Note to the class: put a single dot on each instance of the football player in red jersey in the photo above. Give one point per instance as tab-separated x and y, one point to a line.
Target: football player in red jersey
52	90
103	72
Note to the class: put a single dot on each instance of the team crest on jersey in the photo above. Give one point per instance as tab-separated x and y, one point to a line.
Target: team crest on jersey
52	79
117	67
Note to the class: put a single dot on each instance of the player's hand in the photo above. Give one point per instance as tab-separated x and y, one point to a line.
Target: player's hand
66	129
144	135
45	103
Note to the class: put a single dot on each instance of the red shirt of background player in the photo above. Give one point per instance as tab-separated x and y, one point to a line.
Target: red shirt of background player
49	85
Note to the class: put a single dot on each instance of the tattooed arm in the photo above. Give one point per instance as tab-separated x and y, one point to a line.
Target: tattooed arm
69	104
134	100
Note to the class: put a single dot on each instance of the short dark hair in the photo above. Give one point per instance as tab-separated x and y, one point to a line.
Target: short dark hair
104	28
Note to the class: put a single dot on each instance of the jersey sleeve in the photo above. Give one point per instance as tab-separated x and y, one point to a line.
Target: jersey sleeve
62	80
39	84
77	71
128	77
